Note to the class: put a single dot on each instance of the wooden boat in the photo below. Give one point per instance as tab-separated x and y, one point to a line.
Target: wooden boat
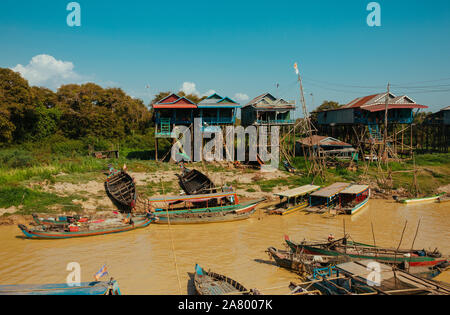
87	288
352	199
121	188
208	215
194	182
192	202
391	282
293	200
210	283
109	226
418	200
302	263
362	251
444	198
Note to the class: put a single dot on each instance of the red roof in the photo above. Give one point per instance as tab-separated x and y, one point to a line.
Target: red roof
377	102
173	101
359	102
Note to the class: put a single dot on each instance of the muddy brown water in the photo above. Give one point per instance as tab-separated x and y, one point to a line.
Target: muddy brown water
143	261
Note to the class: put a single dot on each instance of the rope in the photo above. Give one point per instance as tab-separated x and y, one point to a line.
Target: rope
171	240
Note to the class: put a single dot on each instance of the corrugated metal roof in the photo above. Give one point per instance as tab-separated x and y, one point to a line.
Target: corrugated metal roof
268	101
331	190
355	189
381	107
299	191
323	141
374	102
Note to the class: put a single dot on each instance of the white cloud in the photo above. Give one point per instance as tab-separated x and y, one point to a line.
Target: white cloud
46	70
241	96
191	88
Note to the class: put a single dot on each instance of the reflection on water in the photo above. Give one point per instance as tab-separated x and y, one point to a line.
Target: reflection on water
143	261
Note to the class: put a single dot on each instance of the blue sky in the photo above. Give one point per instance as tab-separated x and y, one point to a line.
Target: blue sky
236	48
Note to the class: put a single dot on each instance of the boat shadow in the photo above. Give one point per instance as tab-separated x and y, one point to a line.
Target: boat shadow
190	284
267	262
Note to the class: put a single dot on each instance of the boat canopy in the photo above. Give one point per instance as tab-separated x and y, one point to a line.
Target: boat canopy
192	198
390	280
355	189
331	190
299	191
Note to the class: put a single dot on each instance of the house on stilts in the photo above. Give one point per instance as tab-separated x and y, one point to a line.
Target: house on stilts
361	123
174	110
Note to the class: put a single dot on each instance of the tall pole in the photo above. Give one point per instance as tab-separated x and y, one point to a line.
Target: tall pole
385	154
307	121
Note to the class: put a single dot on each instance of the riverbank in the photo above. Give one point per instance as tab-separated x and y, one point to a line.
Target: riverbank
76	185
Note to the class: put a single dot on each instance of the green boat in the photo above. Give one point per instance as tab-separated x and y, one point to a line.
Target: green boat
418	200
208	215
356	251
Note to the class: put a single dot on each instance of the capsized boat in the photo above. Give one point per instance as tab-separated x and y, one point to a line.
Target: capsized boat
103	227
211	283
87	288
356	250
418	200
194	182
121	188
293	200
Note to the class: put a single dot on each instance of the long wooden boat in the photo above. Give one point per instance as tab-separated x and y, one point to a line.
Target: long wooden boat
87	288
293	200
211	283
187	203
194	182
361	251
444	198
418	200
302	263
91	229
352	199
208	215
121	188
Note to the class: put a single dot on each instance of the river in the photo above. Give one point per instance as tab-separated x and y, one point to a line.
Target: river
144	262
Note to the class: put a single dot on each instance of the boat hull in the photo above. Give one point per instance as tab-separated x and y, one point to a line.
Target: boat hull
210	283
291	210
42	234
419	200
121	188
208	217
87	288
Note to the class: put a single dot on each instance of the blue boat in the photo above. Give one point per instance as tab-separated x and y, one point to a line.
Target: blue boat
86	288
